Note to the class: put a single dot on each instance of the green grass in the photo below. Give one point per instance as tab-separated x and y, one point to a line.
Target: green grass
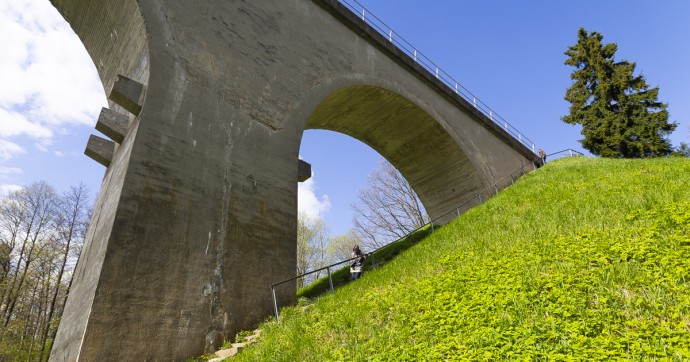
584	259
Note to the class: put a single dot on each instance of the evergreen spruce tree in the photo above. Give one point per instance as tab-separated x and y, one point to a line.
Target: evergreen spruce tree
620	115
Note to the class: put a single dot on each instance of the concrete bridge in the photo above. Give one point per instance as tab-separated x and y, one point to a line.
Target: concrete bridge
197	212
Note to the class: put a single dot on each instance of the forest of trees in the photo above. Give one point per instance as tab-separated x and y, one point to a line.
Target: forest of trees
41	235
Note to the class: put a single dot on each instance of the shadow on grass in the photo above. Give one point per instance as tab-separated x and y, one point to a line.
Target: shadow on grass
376	259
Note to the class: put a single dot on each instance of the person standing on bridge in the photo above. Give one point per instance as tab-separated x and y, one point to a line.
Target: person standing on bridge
357	262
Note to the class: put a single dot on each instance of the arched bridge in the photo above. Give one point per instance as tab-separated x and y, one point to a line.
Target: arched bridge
197	212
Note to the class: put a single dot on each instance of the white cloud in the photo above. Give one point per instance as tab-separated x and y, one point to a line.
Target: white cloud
308	202
5	171
7	188
9	149
15	124
48	80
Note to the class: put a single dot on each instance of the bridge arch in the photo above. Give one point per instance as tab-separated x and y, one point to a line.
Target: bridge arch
407	136
114	35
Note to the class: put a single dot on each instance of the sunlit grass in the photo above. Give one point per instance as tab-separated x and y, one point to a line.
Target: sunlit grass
585	259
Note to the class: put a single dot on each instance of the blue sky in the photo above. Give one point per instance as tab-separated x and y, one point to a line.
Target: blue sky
508	53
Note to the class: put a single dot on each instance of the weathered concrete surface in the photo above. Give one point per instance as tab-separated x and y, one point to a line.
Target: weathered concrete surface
112	124
100	150
127	93
197	213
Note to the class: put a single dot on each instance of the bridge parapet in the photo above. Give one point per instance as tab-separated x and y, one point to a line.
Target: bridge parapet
357	14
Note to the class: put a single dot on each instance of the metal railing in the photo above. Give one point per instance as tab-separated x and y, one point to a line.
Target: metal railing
328	272
470	202
419	58
565	153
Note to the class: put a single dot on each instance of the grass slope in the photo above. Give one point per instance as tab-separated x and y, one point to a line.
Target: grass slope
584	259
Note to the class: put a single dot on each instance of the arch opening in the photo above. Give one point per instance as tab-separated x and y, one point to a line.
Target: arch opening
407	136
353	189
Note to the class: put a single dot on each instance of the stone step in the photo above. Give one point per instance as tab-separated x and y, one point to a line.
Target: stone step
235	348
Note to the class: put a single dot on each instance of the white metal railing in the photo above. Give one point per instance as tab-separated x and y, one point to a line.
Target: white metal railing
434	69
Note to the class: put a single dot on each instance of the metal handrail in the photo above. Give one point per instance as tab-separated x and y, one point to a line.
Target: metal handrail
406	47
570	153
493	189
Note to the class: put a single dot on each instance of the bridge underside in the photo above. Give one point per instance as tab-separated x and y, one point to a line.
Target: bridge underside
197	212
408	137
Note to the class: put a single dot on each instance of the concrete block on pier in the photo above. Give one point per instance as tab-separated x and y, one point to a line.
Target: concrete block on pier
303	171
128	94
100	150
112	124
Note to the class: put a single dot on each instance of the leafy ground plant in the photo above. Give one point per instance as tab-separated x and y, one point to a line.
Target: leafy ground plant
584	259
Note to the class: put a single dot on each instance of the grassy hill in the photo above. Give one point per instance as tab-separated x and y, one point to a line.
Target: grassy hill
584	259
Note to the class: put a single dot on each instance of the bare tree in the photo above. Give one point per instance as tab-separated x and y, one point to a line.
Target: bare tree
36	203
41	234
312	237
387	208
12	214
70	223
340	246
